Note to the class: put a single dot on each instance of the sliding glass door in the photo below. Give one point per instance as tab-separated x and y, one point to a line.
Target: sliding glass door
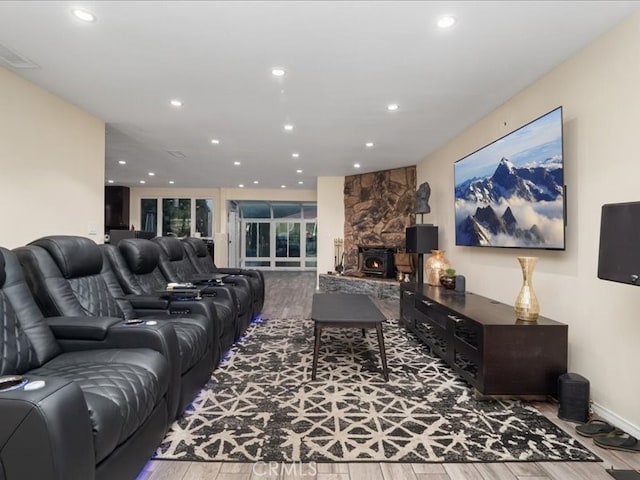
257	243
276	244
311	252
287	244
283	237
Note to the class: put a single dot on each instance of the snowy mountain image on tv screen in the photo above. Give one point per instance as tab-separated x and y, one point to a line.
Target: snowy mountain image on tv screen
510	193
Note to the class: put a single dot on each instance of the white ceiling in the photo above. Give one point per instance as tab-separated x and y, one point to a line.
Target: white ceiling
345	62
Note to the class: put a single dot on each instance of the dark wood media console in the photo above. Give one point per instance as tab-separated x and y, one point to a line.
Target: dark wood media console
482	340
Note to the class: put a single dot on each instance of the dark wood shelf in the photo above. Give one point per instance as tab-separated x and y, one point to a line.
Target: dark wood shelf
482	340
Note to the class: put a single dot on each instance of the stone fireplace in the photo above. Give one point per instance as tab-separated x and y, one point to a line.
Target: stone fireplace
378	206
376	261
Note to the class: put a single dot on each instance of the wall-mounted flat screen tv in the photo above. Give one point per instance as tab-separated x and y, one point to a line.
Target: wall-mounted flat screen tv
511	193
619	255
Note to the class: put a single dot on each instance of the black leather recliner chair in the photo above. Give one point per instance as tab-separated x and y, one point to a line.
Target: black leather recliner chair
176	267
198	254
66	275
84	414
135	262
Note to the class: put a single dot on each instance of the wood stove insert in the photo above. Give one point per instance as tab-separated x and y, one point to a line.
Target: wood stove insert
377	261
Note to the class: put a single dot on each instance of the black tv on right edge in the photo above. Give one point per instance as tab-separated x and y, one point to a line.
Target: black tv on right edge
619	256
510	193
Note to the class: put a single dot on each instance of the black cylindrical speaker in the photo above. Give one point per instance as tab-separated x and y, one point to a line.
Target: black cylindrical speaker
573	395
422	238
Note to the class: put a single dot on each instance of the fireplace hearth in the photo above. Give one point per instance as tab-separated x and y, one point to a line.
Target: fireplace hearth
376	261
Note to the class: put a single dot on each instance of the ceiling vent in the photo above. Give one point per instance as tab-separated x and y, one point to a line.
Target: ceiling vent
14	59
176	153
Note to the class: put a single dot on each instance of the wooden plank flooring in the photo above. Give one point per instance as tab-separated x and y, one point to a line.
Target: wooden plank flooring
288	295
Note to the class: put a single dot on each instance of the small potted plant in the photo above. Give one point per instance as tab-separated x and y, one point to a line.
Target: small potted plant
448	279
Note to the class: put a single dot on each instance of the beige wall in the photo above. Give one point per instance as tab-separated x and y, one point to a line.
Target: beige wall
330	220
52	159
598	89
220	197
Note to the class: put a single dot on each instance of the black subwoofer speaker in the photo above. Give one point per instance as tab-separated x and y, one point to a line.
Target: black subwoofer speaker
573	395
422	238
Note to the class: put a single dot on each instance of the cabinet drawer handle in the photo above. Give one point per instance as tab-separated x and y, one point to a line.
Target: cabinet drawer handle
454	318
427	303
409	294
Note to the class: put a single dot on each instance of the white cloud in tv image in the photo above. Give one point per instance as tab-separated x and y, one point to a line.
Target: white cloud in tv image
511	192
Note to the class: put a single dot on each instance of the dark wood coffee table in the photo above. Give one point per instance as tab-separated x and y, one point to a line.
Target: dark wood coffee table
343	310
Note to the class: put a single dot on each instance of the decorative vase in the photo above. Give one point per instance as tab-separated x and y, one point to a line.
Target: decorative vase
448	281
527	306
436	264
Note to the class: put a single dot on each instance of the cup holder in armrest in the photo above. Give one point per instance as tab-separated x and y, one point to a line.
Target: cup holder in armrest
139	321
12	382
134	321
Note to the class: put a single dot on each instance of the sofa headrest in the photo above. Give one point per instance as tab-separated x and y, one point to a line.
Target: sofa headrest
141	255
3	274
171	248
76	257
198	246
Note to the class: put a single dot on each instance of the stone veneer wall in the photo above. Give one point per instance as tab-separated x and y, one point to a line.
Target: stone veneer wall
378	206
376	287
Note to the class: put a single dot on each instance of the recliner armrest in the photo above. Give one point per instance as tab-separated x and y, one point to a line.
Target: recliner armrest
229	271
148	302
224	294
81	328
46	433
221	292
200	307
199	278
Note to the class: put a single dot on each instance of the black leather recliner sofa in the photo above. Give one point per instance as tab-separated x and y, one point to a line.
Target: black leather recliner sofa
176	267
66	275
74	418
135	262
199	257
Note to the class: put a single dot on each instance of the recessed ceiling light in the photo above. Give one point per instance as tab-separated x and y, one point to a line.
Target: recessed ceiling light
283	186
300	182
295	155
298	171
256	182
151	174
215	141
368	144
392	107
171	182
236	163
288	127
278	72
446	21
83	15
176	103
109	181
142	181
122	162
356	165
241	185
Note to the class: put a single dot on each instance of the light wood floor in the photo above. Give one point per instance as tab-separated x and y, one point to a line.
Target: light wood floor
289	295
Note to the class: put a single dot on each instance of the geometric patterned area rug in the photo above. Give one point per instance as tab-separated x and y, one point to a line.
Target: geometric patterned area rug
261	405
